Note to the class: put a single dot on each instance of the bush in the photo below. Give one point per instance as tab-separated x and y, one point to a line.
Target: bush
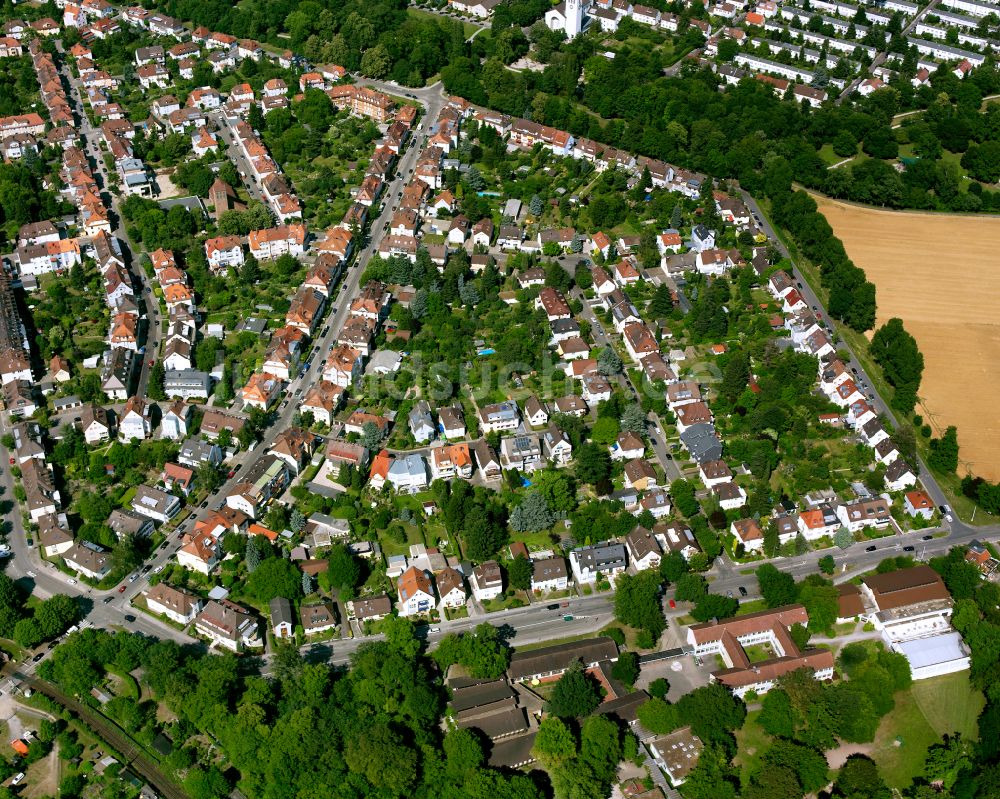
616	634
659	688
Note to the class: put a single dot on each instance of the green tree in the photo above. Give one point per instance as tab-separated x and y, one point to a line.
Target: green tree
368	752
735	375
637	602
634	420
715	606
843	538
777	587
275	577
713	713
659	688
483	534
659	716
943	456
463	753
690	588
376	62
772	539
896	351
28	633
575	695
592	463
858	778
554	743
946	760
682	492
777	717
206	783
809	765
519	573
484	652
608	362
371	437
157	375
343	570
662	304
532	514
626	668
827	564
819	596
672	566
56	614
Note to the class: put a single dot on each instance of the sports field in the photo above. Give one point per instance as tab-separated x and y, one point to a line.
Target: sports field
940	274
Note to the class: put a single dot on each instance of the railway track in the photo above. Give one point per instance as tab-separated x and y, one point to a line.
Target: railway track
134	757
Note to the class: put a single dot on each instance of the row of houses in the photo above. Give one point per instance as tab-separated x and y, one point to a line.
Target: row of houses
426	580
333	250
231	626
266	173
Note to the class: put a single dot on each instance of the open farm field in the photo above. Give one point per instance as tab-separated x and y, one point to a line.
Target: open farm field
940	274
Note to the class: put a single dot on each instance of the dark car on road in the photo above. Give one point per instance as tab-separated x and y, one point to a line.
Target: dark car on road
872	548
552	607
743	591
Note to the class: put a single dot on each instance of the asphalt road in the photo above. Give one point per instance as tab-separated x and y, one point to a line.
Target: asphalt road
861	376
44	579
534	623
341	302
91	146
657	438
882	55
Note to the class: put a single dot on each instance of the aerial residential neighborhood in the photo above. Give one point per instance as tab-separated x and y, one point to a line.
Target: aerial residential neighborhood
479	390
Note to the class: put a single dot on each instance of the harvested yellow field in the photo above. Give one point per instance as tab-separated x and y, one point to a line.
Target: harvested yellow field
940	274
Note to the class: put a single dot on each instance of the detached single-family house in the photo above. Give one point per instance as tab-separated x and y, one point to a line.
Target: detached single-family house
487	581
644	550
749	533
917	503
628	447
549	574
200	552
608	560
228	625
134	422
88	560
421	423
282	617
158	505
451	588
899	476
177	604
416	594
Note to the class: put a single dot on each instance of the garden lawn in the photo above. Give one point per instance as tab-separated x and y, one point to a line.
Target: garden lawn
950	704
533	540
751	742
922	715
468	28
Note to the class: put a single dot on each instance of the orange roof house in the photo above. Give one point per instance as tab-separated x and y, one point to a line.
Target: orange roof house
379	471
259	529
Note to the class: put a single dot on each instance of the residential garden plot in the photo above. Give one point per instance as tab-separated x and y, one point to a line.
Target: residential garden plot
937	273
